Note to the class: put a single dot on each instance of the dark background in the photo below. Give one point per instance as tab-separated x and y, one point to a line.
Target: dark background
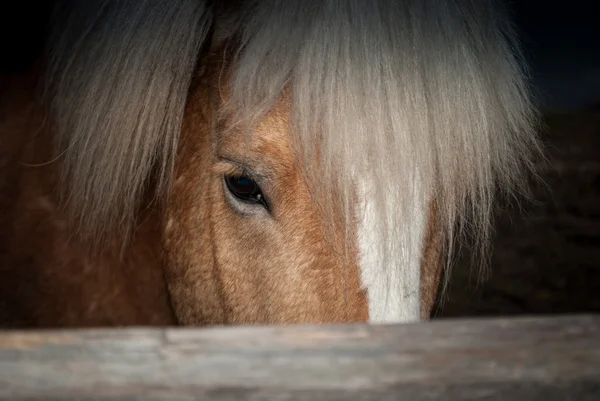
562	44
546	256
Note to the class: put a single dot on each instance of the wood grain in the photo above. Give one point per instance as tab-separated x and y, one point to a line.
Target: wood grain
543	358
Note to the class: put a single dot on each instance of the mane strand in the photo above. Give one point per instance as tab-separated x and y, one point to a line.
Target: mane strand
117	80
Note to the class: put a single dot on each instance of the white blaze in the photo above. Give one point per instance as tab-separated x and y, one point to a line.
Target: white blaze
393	290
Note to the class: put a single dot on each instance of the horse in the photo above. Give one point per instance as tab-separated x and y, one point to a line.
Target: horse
233	162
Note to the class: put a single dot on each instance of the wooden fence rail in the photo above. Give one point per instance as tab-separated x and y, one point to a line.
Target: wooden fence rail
533	359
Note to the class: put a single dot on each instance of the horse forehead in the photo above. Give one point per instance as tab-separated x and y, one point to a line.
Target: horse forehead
270	138
272	134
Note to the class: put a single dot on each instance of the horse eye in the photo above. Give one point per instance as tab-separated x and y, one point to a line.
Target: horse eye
245	189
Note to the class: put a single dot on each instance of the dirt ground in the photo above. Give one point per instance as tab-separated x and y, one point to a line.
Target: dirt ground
546	258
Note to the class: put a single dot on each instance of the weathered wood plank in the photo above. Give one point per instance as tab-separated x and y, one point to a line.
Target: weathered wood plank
533	359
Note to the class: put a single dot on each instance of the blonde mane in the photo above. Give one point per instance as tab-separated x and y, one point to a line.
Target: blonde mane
117	79
415	100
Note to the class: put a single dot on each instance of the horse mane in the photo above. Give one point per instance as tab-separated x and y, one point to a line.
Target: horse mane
117	77
414	100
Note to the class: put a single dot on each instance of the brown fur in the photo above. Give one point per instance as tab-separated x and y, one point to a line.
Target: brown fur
432	263
48	279
278	268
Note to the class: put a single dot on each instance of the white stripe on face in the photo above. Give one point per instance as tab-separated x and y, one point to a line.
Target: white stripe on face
393	290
